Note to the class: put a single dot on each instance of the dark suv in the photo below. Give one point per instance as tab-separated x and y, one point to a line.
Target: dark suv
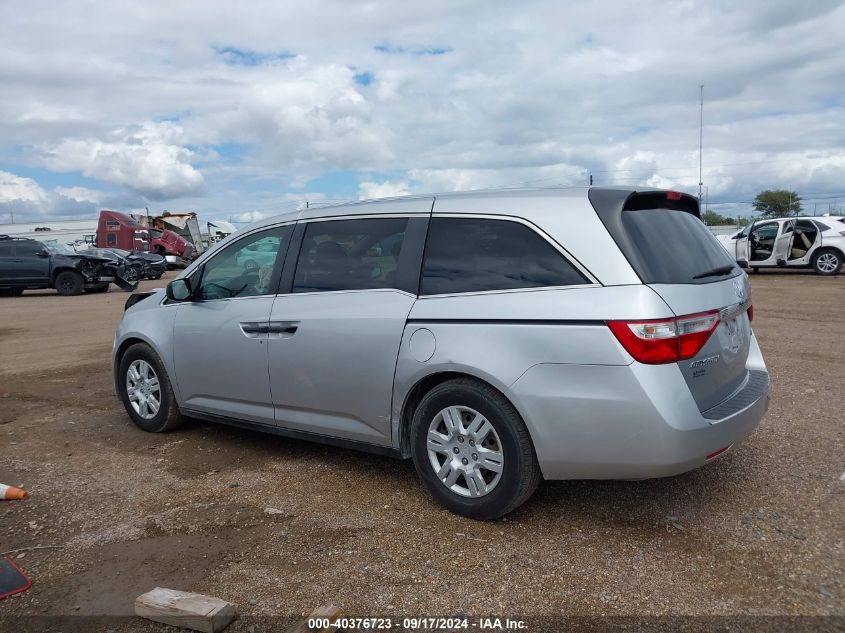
29	264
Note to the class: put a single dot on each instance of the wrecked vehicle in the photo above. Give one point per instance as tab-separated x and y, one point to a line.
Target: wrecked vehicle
27	264
144	265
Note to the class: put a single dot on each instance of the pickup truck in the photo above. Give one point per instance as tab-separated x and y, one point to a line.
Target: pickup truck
27	264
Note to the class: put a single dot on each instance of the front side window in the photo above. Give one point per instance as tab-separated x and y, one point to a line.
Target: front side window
245	267
27	249
476	254
350	255
767	231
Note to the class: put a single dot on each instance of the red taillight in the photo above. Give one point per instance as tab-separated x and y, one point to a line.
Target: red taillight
750	313
673	195
657	341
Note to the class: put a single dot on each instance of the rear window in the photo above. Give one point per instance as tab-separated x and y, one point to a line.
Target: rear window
478	254
673	247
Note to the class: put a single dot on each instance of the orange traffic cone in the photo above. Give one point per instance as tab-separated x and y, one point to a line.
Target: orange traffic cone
10	492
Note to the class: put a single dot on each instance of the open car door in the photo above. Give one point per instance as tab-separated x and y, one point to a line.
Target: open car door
783	242
741	244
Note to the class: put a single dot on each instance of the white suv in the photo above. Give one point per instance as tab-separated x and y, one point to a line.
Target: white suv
817	243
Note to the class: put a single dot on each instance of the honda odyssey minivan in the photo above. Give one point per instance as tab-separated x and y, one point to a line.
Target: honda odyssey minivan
496	338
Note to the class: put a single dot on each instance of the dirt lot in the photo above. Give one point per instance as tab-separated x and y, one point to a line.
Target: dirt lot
758	532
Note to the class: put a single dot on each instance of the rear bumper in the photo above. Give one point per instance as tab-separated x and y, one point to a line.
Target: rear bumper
631	422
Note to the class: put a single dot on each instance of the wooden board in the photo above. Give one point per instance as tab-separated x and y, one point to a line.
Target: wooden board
188	610
329	612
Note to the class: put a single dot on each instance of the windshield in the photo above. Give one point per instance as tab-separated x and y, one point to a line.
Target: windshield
59	249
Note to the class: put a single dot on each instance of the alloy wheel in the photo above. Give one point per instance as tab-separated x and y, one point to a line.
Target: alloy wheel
827	262
465	451
143	389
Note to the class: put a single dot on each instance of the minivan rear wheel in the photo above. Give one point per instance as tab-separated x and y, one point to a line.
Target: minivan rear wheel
144	388
472	450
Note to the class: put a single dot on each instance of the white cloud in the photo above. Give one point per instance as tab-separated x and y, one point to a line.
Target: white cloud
368	189
539	93
19	189
145	161
252	216
80	194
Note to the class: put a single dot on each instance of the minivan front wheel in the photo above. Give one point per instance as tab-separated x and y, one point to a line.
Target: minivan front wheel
472	450
145	390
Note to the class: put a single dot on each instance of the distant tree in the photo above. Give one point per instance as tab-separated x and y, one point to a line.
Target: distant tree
711	218
778	203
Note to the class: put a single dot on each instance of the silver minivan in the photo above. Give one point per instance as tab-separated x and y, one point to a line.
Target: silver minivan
496	338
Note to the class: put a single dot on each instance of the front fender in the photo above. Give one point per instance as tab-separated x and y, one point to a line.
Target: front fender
150	322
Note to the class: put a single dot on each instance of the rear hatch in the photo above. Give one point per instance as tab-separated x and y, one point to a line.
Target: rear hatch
666	243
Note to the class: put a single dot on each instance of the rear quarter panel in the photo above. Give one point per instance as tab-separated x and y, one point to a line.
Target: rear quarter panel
498	336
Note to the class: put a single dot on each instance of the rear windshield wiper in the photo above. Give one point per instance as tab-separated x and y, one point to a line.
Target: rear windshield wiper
716	272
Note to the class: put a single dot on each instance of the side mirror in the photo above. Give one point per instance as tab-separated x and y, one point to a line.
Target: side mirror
42	253
179	290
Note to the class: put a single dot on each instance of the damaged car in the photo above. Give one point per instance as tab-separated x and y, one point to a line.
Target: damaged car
144	265
27	264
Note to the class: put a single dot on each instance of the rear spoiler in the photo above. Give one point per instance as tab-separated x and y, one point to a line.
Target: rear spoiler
610	202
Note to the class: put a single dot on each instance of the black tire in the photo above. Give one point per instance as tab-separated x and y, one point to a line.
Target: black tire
520	473
827	261
168	416
156	276
69	283
97	288
131	274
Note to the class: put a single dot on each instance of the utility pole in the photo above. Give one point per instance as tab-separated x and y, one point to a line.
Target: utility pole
700	143
591	180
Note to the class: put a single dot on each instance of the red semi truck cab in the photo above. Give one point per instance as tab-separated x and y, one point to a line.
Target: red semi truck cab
118	230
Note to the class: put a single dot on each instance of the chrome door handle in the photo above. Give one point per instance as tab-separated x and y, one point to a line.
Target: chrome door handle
283	328
252	329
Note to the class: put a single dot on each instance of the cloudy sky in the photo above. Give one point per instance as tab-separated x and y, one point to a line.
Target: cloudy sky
244	109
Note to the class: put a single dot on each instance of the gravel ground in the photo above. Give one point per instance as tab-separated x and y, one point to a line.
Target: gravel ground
280	526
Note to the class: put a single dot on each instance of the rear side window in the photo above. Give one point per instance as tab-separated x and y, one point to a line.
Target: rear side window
667	246
350	255
476	254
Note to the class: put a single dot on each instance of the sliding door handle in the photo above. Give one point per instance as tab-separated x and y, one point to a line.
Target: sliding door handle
283	328
252	329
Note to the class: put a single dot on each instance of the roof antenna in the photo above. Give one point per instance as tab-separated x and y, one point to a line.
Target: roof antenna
700	143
